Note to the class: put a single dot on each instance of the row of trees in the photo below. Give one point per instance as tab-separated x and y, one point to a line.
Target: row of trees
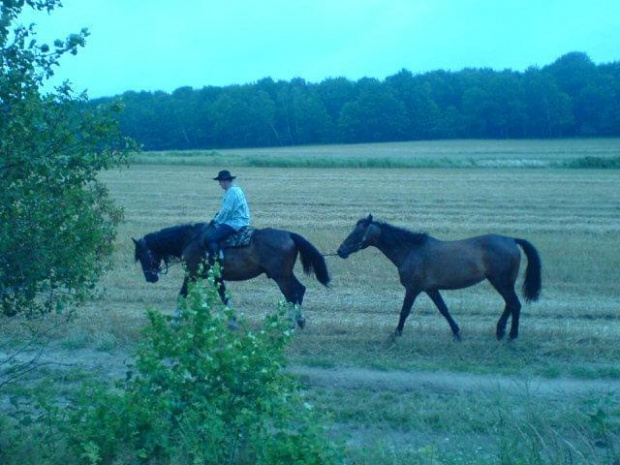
571	97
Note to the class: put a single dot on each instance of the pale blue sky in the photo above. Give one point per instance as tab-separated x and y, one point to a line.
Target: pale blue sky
162	45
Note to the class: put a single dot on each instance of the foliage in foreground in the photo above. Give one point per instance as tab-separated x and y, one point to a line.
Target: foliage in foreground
57	221
201	393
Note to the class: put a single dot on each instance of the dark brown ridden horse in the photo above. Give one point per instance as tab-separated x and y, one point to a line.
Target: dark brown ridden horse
426	264
271	251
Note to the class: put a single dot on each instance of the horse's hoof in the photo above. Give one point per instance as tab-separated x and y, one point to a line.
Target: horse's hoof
457	337
301	322
233	325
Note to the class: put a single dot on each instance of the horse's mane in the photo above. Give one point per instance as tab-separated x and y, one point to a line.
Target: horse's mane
170	242
393	235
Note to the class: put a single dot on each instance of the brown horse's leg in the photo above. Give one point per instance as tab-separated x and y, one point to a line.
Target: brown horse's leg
292	289
293	292
221	290
183	291
300	290
500	330
410	297
513	307
443	309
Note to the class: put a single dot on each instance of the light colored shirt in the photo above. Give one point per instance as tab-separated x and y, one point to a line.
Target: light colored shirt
235	211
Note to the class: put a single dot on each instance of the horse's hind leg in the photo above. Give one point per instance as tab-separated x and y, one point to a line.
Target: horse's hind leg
443	309
183	291
293	292
513	307
515	304
292	289
299	290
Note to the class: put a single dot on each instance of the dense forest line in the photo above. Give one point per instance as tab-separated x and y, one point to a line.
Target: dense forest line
570	97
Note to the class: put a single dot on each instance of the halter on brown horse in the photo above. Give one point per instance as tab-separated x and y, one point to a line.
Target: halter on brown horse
426	264
271	251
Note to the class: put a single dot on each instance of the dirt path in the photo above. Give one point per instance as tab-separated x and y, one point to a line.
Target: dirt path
115	365
442	381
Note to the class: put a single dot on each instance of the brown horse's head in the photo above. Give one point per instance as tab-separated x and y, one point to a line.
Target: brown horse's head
151	262
364	234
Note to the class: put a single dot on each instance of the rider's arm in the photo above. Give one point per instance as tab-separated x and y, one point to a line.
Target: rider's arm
229	204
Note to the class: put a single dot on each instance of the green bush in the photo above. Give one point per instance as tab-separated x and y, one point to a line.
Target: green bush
57	219
202	393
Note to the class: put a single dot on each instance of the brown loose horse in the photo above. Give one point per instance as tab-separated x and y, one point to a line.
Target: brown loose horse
426	264
271	251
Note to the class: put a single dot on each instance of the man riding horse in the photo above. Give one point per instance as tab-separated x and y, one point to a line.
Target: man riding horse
233	216
272	252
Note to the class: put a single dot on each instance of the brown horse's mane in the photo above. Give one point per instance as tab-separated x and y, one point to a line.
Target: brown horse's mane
168	243
393	235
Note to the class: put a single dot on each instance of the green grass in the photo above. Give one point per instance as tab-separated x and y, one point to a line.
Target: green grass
419	426
533	355
576	153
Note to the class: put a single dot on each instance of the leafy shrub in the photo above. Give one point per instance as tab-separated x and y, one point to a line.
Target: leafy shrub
57	220
202	393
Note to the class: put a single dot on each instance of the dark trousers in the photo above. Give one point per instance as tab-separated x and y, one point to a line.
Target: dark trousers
215	235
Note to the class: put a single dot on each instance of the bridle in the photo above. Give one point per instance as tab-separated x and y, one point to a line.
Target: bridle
153	259
362	244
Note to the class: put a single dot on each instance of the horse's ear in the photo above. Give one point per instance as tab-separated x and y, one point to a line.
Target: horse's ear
369	219
134	241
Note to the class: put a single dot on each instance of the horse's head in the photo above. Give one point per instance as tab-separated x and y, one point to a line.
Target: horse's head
150	261
364	234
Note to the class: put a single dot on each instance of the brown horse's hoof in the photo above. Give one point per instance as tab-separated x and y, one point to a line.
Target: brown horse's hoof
301	322
457	337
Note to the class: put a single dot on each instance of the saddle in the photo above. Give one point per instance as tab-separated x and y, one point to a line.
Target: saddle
241	238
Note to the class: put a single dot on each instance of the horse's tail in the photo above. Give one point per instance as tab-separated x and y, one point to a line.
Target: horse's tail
532	283
311	259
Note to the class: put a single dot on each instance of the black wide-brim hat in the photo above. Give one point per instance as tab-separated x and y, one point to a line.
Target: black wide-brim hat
224	175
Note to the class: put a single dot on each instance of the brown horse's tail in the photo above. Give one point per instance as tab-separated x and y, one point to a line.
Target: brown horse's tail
311	259
532	283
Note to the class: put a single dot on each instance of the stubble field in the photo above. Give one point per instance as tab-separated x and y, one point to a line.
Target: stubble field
552	396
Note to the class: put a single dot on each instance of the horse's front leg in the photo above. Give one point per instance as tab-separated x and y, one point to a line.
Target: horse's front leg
410	296
183	291
182	296
221	290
